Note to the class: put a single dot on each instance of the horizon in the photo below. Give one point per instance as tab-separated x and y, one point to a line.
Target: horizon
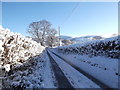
106	36
79	19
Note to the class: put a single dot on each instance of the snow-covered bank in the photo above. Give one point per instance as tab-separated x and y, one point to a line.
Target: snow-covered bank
16	49
21	64
35	74
102	68
110	47
98	58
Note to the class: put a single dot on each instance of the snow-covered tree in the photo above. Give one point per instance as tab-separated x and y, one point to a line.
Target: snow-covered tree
41	30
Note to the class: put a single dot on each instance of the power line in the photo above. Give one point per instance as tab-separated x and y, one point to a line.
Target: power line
66	20
69	15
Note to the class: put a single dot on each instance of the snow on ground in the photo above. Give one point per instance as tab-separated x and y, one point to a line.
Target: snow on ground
92	42
76	79
102	68
48	75
99	58
88	38
16	49
35	74
23	62
109	48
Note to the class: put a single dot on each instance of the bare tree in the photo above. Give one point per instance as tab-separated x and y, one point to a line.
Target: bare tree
52	41
41	30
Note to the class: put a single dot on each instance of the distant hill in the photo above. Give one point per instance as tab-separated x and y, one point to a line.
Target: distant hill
81	39
65	37
84	39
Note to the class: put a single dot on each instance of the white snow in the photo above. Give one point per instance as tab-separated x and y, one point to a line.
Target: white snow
7	67
76	79
37	75
47	73
99	58
27	65
91	42
15	48
102	68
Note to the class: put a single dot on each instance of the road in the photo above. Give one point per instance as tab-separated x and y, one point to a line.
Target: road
60	77
62	80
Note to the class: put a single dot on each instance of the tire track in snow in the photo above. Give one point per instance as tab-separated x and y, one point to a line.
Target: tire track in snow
59	75
101	84
76	79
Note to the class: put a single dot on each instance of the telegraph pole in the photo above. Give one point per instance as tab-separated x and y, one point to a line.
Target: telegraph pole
59	34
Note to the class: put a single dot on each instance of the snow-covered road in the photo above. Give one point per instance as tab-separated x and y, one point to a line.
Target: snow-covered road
76	77
102	74
62	81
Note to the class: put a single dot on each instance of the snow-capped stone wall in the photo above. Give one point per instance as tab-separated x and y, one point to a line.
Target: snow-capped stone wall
15	49
109	47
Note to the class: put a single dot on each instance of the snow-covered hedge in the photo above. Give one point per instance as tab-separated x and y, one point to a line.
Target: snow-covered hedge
16	49
109	47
